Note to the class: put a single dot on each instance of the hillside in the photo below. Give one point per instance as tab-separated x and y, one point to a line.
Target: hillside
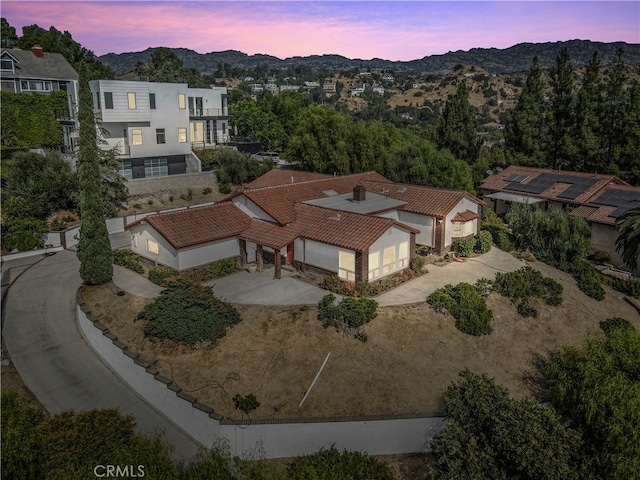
496	61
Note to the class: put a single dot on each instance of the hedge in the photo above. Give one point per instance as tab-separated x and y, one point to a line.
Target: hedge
128	259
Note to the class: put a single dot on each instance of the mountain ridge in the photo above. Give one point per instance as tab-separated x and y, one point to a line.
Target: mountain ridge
516	58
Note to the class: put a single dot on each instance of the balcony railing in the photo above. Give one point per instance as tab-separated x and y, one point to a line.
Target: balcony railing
208	112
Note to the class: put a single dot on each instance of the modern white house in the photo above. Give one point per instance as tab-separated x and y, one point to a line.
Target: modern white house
155	127
361	227
36	72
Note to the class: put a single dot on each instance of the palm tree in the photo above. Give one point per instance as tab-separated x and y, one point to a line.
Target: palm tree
628	240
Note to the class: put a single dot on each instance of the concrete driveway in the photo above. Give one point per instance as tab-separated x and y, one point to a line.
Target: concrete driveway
262	289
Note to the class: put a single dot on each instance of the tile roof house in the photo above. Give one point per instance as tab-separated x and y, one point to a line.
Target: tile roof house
359	226
599	199
37	72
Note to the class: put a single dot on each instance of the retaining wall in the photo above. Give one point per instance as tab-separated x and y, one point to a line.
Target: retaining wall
151	185
276	437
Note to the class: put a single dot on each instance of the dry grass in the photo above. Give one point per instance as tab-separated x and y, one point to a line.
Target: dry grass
411	356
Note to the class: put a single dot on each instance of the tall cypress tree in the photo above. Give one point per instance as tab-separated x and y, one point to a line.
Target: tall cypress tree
94	248
587	138
457	127
613	107
525	128
561	149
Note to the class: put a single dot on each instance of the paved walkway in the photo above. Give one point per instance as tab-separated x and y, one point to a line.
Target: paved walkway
261	289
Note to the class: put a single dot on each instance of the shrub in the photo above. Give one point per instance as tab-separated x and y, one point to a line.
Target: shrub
466	305
483	242
159	274
225	188
417	264
463	247
332	464
350	313
23	234
224	267
188	312
600	257
128	259
525	283
630	286
614	323
589	279
207	191
500	235
246	404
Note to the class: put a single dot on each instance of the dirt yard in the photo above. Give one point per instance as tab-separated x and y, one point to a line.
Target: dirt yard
411	356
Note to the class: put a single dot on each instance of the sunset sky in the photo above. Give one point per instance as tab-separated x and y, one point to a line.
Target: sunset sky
392	30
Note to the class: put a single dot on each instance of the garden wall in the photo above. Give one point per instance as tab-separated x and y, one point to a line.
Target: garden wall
277	437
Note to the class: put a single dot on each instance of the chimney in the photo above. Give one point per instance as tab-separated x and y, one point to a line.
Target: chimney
37	51
359	193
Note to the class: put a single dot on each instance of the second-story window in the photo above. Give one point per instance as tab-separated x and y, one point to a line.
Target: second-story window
6	65
182	135
136	136
108	100
182	101
160	136
152	101
131	99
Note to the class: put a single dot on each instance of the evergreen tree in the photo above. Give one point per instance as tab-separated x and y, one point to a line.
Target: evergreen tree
94	248
561	113
587	138
525	128
612	114
628	241
627	161
457	126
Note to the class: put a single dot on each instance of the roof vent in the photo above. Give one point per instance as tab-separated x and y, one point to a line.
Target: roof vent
37	51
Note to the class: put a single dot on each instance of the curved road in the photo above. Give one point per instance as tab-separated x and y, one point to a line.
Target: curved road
41	335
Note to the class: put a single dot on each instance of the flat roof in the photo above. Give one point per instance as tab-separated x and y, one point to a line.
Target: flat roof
511	197
372	204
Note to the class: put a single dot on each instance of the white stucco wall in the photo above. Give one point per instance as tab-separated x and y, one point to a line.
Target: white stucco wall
320	255
251	209
167	255
462	206
419	222
391	238
207	253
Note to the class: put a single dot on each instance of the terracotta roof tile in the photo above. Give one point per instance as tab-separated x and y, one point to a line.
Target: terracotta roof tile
431	201
198	225
465	216
278	176
268	234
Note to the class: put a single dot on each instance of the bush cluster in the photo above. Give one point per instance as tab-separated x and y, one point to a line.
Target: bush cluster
466	305
128	259
483	242
334	284
188	312
332	464
630	286
224	267
464	247
524	284
589	279
160	274
499	232
349	315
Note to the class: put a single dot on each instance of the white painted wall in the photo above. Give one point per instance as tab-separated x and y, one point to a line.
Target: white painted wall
393	237
207	253
167	254
462	206
252	248
251	209
320	255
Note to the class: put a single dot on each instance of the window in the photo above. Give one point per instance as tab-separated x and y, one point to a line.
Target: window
6	65
347	265
152	102
160	136
136	136
389	259
126	171
131	100
182	135
374	265
108	100
462	229
182	101
155	167
35	86
403	255
153	247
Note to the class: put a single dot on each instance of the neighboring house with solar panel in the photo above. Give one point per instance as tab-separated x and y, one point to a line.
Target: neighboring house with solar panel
360	227
599	199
